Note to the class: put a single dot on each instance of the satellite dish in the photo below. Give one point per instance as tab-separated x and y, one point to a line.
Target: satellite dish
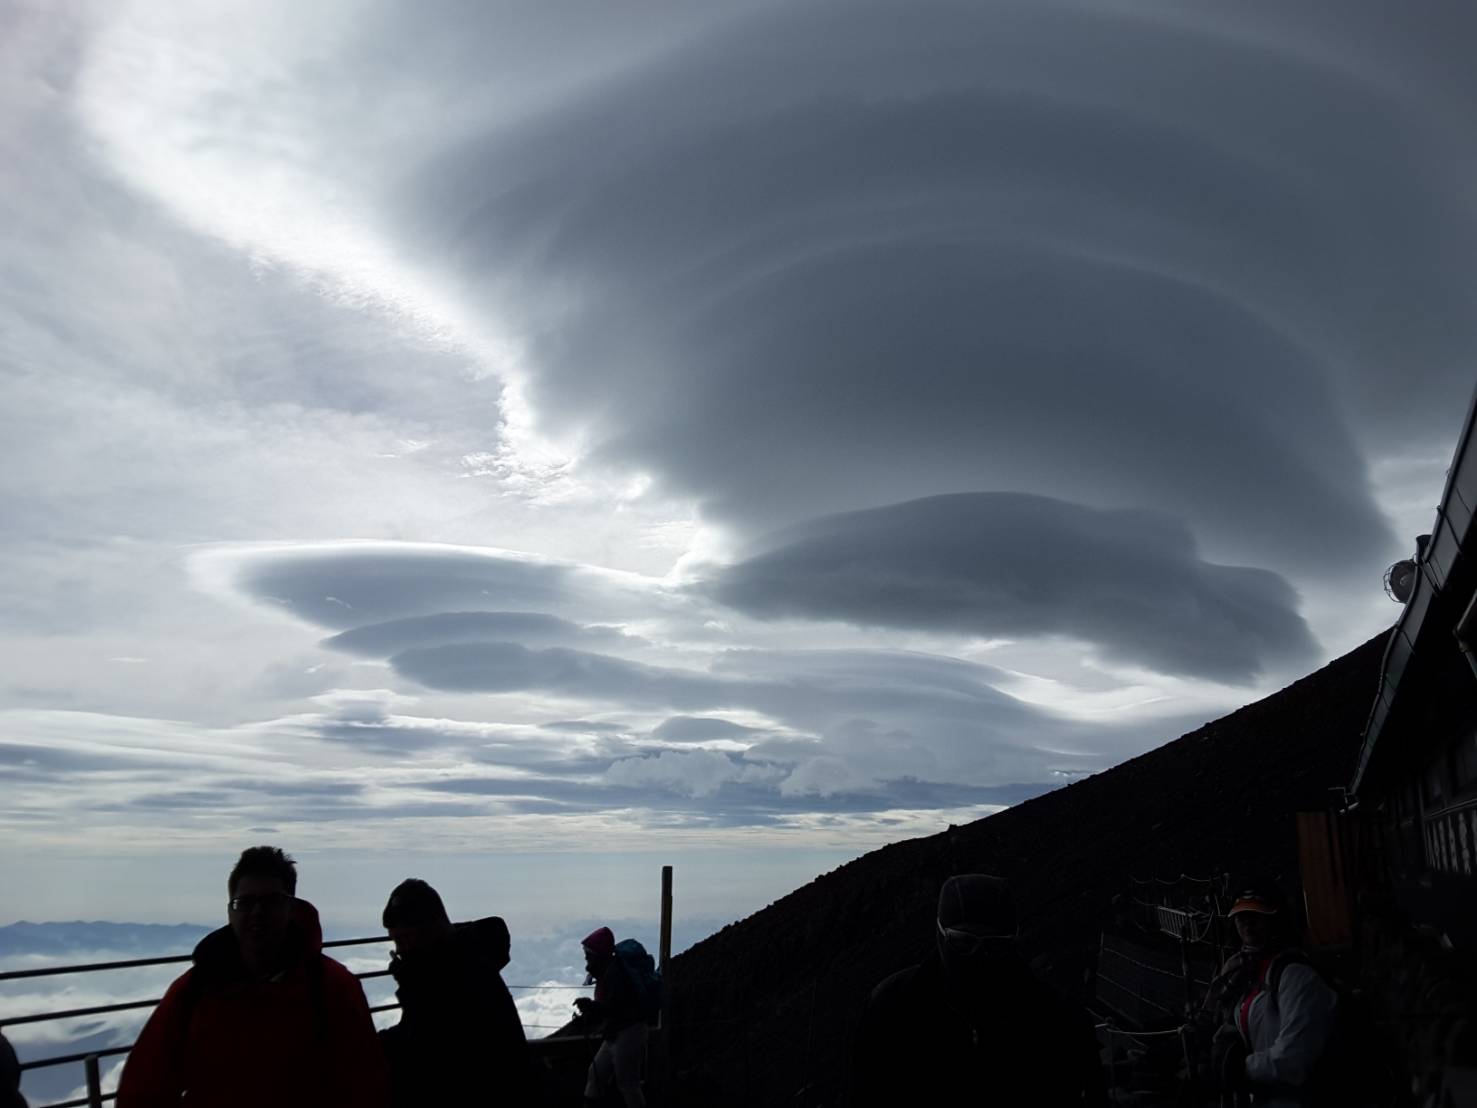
1400	581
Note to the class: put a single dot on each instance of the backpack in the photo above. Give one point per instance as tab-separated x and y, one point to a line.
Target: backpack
645	978
1358	1067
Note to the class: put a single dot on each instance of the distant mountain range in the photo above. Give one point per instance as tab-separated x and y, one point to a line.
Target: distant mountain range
762	1009
125	940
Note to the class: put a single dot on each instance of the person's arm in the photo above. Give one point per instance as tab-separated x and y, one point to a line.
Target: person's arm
153	1076
356	1061
1306	1007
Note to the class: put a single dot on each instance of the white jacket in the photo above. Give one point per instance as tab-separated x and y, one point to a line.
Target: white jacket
1286	1039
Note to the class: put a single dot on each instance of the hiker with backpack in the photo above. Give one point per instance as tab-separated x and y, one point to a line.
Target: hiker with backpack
1277	1011
459	1039
627	997
263	1016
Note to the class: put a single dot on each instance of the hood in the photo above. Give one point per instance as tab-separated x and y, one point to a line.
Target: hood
488	937
218	956
482	945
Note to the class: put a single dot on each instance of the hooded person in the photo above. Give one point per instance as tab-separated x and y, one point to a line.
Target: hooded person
617	1010
263	1016
459	1039
971	1023
1278	1012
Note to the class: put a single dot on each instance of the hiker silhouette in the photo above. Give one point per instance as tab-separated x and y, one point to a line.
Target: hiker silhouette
459	1039
971	1022
627	994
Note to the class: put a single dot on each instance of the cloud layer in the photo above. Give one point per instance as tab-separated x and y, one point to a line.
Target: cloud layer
1005	565
1026	246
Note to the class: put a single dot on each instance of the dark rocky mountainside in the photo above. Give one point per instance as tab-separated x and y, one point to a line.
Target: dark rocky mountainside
763	1008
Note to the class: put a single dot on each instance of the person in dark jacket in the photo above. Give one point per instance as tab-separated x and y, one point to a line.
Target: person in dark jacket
10	1076
971	1024
616	1010
263	1017
460	1039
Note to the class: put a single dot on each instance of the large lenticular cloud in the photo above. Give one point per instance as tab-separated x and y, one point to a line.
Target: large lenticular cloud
836	256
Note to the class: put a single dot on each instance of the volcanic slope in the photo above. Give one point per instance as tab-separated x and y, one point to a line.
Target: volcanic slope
762	1009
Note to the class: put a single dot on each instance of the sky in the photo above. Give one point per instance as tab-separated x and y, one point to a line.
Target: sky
527	444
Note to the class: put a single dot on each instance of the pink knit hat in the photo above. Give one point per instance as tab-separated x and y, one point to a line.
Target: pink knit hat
601	941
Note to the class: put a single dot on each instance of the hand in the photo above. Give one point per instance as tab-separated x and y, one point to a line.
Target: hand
1228	1058
581	1003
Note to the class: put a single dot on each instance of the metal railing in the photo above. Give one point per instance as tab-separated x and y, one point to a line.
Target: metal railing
90	1059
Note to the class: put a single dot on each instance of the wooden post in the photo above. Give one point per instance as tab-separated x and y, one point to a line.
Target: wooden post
664	954
666	943
94	1082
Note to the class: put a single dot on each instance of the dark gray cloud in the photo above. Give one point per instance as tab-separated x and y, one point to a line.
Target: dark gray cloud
347	586
497	667
697	729
180	800
735	803
54	761
804	686
531	628
885	714
1016	245
1004	564
311	788
585	726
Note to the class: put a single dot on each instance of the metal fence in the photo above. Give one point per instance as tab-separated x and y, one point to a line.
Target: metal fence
91	1060
1188	908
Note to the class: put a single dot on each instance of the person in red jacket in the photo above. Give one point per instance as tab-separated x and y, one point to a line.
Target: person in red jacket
263	1017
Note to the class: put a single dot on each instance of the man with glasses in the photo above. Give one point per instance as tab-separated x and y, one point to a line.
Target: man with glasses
263	1016
971	1023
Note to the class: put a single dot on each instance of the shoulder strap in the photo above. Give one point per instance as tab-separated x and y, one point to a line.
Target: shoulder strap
1292	957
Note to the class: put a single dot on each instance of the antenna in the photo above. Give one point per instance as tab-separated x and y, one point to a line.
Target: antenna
1400	581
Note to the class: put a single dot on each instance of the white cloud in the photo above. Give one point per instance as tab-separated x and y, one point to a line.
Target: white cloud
696	773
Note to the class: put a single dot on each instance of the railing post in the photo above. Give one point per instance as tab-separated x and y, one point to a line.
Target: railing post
94	1082
664	950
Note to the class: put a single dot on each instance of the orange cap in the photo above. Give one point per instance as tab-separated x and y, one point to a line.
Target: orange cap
1254	904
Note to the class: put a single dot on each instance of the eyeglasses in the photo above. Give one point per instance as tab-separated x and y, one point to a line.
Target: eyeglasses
265	901
969	943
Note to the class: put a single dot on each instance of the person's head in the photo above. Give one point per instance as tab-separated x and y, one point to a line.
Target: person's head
599	947
415	918
261	888
1260	915
976	928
